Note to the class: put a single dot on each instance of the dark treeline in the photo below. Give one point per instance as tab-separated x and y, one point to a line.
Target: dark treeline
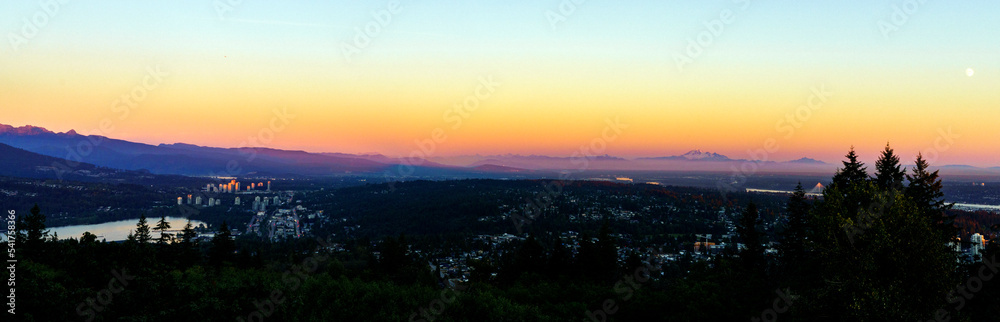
873	248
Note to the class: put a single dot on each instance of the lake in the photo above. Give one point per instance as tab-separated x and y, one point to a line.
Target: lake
117	230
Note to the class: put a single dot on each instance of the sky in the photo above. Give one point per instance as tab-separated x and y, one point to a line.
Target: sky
625	78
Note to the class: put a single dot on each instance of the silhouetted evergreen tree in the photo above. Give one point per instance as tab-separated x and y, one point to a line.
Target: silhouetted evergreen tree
188	234
33	226
162	226
888	172
846	180
853	172
752	256
394	253
530	256
223	245
561	261
794	237
605	255
925	190
142	235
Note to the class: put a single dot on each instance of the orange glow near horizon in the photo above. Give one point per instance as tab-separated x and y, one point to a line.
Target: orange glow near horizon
528	119
555	90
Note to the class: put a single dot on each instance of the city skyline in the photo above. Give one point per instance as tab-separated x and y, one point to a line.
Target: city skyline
548	79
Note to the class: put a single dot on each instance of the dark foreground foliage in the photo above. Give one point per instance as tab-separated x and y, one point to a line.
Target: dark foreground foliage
871	249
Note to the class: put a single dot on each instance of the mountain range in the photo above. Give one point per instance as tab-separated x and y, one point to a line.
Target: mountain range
193	160
694	155
87	152
806	161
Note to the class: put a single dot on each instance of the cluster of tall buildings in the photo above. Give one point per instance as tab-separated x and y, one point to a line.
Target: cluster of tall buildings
235	186
192	200
232	186
261	204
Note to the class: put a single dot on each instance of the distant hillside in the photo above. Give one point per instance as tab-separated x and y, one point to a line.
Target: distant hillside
20	163
16	162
